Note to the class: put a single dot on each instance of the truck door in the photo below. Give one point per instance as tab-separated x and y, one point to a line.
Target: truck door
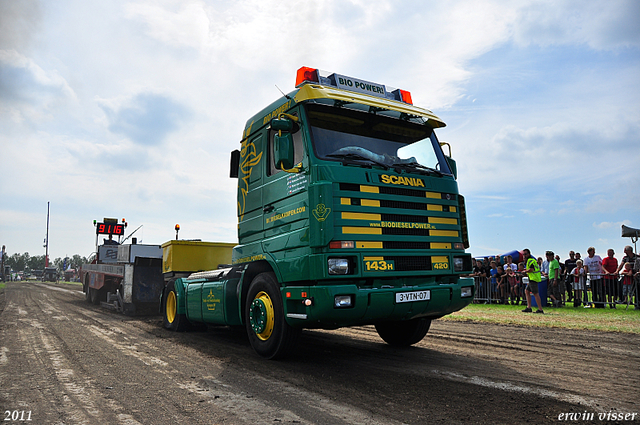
285	201
250	180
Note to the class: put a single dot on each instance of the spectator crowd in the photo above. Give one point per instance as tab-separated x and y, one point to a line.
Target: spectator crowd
589	281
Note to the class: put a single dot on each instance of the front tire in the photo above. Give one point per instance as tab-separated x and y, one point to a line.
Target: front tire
170	317
269	333
404	334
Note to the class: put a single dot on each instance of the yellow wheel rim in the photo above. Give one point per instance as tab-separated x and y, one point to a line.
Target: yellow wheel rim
171	307
262	316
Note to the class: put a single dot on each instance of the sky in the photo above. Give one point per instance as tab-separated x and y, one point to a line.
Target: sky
129	109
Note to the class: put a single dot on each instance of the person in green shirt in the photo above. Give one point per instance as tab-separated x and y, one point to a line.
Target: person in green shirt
532	269
554	279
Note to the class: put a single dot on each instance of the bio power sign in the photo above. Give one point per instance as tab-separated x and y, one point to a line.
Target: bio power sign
360	86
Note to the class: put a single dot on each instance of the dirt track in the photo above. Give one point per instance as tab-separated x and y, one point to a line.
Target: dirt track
66	361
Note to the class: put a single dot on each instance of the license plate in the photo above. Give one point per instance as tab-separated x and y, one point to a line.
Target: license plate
408	297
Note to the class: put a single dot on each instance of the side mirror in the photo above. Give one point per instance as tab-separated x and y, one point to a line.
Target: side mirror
452	163
283	151
282	124
453	167
235	164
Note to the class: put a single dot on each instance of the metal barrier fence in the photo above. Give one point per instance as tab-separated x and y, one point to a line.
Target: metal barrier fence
599	291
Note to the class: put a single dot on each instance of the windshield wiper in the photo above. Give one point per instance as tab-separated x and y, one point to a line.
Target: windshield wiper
357	157
418	167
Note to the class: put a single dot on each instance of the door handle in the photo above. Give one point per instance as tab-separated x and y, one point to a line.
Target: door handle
268	208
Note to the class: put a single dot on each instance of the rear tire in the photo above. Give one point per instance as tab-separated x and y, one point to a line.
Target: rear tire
403	334
87	293
94	296
170	317
98	295
269	333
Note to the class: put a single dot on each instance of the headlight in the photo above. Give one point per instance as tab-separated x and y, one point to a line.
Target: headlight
462	264
343	301
458	264
338	266
466	292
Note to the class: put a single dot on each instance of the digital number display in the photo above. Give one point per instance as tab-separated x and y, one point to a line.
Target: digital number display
110	229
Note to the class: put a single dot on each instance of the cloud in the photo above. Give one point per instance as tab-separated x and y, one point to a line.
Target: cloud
609	225
499	215
27	91
538	211
540	98
493	197
554	22
122	155
187	25
19	23
146	118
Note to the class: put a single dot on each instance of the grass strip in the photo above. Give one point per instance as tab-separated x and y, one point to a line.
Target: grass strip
607	319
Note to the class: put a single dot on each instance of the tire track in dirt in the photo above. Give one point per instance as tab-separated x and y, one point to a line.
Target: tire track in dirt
162	362
32	349
547	362
556	359
75	390
142	373
67	384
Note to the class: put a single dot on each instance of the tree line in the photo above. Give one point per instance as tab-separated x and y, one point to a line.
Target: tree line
27	263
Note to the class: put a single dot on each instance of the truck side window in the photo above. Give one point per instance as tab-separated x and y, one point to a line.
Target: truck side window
298	151
250	162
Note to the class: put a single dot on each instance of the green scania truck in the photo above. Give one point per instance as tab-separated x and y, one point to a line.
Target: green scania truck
348	214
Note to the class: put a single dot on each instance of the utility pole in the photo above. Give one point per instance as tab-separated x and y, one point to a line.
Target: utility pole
46	241
2	256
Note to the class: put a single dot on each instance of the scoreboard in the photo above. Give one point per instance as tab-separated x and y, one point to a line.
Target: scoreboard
110	229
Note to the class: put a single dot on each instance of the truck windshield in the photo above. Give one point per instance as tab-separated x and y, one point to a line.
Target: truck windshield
346	135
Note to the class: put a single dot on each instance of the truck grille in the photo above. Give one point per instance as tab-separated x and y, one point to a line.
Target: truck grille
406	264
411	220
405	245
401	191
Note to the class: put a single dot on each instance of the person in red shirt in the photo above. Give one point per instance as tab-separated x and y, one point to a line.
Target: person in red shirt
631	257
610	266
627	277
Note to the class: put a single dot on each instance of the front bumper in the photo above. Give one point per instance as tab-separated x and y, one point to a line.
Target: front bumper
313	306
